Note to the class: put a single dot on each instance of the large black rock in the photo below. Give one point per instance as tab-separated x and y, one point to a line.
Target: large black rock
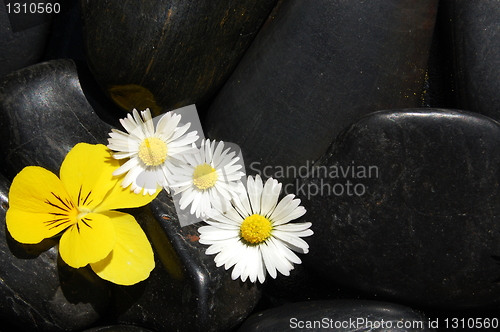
168	54
405	205
340	315
38	292
470	29
315	68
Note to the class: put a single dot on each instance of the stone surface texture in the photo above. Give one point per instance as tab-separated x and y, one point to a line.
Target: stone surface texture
422	225
473	49
315	68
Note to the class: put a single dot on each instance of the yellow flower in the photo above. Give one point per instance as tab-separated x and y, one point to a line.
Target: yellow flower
80	203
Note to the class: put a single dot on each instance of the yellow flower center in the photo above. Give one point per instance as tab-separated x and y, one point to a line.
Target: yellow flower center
72	215
68	213
153	151
255	229
204	176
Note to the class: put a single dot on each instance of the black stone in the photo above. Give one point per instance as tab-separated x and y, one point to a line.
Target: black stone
303	284
186	291
316	67
66	36
38	292
423	227
340	315
437	88
168	54
471	35
22	37
43	114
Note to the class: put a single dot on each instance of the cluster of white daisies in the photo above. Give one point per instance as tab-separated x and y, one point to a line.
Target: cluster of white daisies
248	227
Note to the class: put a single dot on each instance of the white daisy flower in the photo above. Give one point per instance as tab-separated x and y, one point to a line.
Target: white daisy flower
153	152
210	176
254	235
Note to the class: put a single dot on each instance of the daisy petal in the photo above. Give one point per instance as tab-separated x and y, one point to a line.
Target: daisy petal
168	124
221	217
292	215
230	226
220	245
217	234
285	207
269	261
127	166
124	155
247	268
293	241
282	265
230	255
294	227
242	205
270	195
286	252
254	188
256	268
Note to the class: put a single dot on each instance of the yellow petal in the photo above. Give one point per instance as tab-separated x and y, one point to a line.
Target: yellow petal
90	240
131	260
86	173
124	198
39	206
32	228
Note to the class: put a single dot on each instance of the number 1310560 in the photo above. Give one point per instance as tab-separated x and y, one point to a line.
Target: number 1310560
33	8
